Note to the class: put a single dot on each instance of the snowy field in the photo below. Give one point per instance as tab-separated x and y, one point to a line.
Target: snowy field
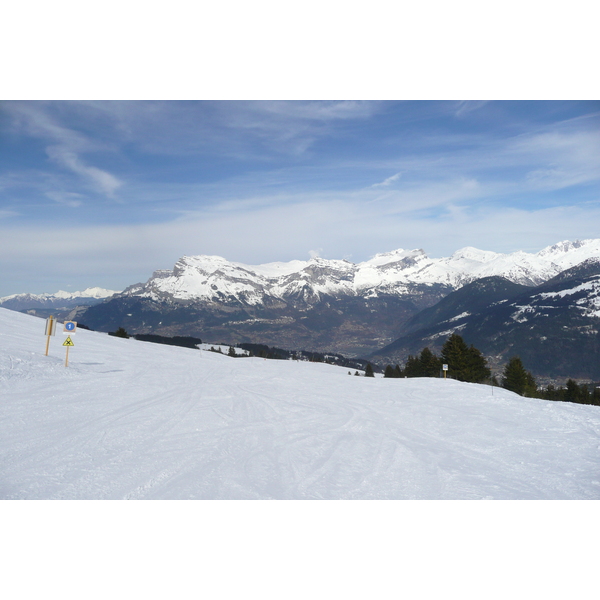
135	420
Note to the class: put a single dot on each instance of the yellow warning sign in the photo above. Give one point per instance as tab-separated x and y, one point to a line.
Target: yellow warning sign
68	342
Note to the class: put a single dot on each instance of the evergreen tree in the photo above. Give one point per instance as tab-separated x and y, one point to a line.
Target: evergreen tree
531	388
477	369
369	371
430	363
231	351
412	368
454	354
573	393
121	333
426	364
517	379
551	393
585	396
464	363
389	372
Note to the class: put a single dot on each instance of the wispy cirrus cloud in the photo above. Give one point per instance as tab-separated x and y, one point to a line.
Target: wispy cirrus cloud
66	145
100	179
72	199
234	129
388	181
263	181
464	107
93	254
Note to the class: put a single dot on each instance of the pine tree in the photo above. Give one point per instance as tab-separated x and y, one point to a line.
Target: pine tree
464	363
430	363
454	354
531	388
477	369
517	379
389	372
426	364
121	333
412	368
231	351
369	371
573	393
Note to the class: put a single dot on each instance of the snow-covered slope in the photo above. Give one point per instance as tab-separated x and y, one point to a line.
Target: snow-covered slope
214	278
128	419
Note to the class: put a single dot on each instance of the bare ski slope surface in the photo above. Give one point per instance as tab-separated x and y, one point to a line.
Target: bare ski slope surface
134	420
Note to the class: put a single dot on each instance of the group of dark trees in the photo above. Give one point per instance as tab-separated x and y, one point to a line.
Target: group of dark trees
263	351
121	332
466	363
573	392
177	340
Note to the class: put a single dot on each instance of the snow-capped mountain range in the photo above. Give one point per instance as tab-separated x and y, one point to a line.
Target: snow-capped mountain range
212	278
318	304
59	299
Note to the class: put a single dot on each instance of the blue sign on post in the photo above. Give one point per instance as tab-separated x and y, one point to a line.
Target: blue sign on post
70	327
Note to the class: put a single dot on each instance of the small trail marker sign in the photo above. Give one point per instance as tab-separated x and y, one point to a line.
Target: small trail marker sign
445	369
50	330
70	327
68	343
50	325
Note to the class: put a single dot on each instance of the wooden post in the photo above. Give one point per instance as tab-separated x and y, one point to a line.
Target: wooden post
68	343
49	325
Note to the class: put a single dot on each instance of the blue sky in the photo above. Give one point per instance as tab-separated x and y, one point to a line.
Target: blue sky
104	192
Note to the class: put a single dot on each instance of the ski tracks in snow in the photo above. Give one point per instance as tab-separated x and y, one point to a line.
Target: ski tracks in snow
129	419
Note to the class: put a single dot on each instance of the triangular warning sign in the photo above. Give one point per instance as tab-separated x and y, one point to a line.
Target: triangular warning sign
68	342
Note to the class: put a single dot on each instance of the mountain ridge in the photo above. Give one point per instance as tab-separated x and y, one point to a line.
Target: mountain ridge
60	299
553	327
323	305
215	278
320	304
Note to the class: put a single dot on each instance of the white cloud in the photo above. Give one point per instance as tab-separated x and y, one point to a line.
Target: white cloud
561	157
467	106
67	144
71	199
442	195
387	182
117	256
101	180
